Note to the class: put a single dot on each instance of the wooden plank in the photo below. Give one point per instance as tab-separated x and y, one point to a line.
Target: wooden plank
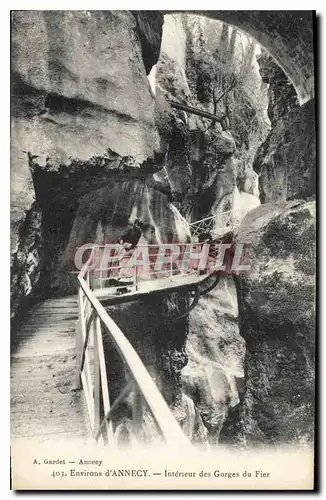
42	375
51	323
34	353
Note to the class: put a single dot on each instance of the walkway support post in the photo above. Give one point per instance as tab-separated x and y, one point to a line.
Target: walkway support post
79	348
97	382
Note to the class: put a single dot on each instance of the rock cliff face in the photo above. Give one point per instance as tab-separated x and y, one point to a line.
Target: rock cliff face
286	161
277	321
215	351
75	104
277	300
282	96
79	95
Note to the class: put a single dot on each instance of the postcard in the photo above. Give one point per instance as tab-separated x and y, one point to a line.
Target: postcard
163	240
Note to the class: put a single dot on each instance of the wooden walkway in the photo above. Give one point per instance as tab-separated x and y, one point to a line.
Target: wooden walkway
145	288
43	367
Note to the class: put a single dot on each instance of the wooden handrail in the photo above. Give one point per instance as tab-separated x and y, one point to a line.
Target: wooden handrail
166	422
209	218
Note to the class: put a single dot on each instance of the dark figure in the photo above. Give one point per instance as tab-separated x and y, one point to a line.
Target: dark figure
149	233
132	235
205	237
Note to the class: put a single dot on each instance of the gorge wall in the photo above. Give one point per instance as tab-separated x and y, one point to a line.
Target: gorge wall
277	299
277	320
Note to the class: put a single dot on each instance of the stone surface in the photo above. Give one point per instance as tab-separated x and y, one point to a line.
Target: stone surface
26	257
22	194
282	96
277	320
286	161
215	353
80	85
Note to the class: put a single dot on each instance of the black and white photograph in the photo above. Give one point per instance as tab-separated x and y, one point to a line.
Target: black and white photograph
163	249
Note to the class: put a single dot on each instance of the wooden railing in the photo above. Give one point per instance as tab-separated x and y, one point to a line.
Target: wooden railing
94	322
170	271
209	224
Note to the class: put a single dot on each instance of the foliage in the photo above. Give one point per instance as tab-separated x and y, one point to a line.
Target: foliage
228	81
